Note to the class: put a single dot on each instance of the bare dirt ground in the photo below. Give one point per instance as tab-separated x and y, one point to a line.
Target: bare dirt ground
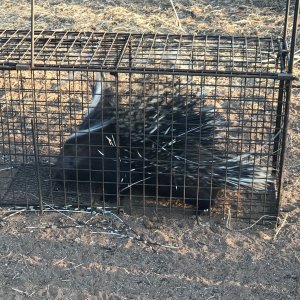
82	256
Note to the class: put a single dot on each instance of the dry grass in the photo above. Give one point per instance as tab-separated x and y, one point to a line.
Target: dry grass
192	17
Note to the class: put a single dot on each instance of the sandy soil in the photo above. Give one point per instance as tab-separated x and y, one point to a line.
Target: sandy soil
63	255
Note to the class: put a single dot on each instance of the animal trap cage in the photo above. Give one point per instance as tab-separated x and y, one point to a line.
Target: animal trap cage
144	122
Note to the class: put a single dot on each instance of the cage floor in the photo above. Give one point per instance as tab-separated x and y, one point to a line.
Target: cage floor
21	188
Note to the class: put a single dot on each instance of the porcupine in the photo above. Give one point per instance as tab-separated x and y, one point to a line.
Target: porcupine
166	147
174	143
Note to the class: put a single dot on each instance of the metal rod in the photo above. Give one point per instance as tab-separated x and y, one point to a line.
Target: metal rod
278	126
32	34
117	143
286	17
288	90
288	87
294	38
275	76
36	158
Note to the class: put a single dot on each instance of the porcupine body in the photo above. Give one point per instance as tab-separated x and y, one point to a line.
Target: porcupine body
163	134
166	148
174	144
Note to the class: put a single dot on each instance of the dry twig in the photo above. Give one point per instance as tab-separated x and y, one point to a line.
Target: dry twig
283	222
176	15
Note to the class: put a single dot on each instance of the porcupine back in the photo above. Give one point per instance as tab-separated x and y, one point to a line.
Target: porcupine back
160	134
174	146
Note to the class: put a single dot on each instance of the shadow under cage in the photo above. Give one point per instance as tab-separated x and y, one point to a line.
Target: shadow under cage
147	123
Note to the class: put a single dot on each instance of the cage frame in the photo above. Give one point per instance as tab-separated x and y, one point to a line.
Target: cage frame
285	59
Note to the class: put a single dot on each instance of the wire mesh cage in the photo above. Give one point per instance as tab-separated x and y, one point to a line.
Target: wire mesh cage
144	122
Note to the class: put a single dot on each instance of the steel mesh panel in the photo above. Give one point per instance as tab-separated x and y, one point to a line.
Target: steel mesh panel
182	122
58	101
141	52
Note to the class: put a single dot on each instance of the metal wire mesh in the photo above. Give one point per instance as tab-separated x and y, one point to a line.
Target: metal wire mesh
141	52
242	119
145	122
